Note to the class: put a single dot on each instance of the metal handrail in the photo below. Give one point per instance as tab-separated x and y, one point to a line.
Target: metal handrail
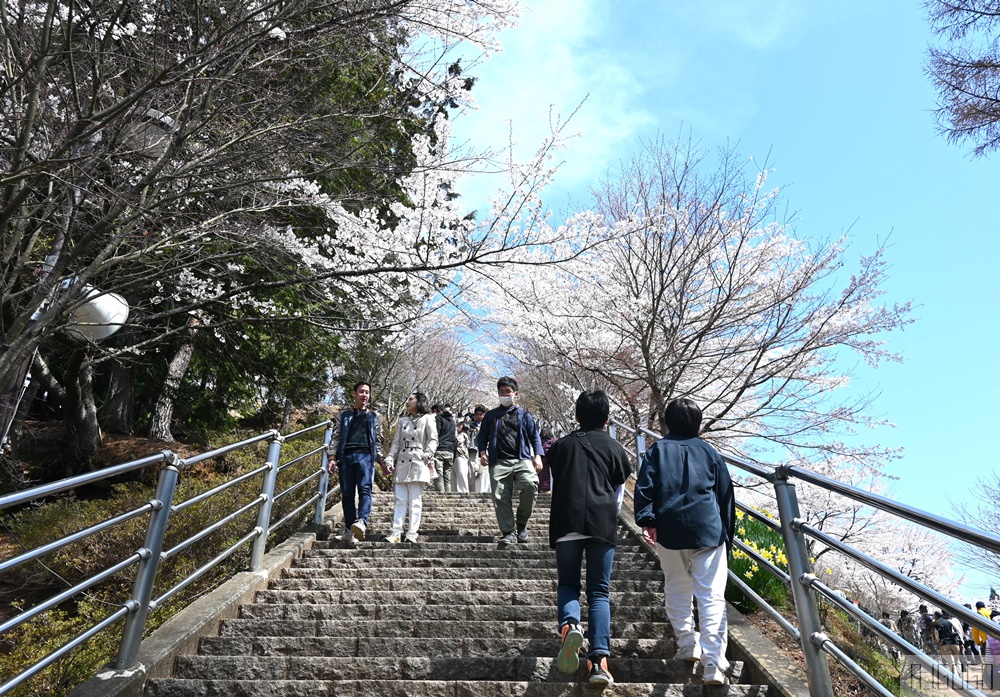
136	610
794	529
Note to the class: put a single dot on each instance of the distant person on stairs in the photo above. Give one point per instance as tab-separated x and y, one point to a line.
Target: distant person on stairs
444	457
460	482
353	451
509	445
684	503
589	470
411	460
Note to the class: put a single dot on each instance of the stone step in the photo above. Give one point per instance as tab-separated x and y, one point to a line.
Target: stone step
309	579
335	596
388	646
516	553
503	668
435	629
160	687
472	613
543	574
376	563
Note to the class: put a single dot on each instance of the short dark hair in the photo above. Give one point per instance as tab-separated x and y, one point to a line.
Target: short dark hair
592	409
683	418
359	383
422	407
437	407
507	381
480	408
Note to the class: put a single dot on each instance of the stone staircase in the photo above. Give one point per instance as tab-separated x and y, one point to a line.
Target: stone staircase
451	615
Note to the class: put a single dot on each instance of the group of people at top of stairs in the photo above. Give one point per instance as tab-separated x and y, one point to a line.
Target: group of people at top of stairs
683	501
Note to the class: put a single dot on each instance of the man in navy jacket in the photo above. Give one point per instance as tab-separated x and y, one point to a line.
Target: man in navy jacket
510	446
684	503
353	451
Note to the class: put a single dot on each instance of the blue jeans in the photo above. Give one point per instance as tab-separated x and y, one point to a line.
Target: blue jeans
600	555
357	470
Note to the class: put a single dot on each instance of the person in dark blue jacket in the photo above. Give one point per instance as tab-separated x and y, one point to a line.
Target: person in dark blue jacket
684	503
353	451
510	446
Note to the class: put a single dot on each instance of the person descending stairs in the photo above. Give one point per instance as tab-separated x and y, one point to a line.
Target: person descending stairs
448	615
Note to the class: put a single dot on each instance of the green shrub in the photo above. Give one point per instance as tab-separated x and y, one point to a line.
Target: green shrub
769	544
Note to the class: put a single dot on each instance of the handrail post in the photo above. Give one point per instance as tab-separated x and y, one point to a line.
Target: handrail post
613	431
806	609
640	448
267	492
324	478
145	575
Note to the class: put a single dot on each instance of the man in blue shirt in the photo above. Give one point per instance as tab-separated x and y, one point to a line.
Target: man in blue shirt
510	446
354	450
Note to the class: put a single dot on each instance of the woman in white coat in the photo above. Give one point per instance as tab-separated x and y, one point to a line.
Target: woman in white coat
411	458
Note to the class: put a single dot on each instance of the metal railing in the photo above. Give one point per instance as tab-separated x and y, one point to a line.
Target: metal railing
806	587
160	510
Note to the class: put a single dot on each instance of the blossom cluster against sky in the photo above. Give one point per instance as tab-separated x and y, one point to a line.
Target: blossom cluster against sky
834	96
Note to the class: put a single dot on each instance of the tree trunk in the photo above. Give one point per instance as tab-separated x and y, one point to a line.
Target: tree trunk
286	417
163	412
117	414
80	410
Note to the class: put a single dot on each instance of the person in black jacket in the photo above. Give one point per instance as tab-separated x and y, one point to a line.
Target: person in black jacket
444	458
684	503
589	470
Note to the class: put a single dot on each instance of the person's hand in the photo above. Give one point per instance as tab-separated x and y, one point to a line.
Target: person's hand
484	459
538	463
331	465
649	535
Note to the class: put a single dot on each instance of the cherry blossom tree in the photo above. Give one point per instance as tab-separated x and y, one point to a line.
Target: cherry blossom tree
702	288
244	164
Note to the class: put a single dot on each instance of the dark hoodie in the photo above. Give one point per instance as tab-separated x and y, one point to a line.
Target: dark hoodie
447	442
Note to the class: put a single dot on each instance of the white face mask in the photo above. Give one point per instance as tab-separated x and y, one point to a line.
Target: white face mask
506	400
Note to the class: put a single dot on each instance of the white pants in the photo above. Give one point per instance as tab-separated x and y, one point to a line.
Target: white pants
701	573
480	483
407	494
460	475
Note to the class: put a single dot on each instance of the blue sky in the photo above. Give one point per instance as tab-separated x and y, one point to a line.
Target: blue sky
836	93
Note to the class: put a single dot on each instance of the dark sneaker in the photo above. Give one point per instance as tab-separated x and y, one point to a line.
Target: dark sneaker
569	653
599	673
507	540
522	535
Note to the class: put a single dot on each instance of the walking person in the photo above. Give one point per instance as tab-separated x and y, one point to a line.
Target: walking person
411	460
545	476
949	638
509	445
589	470
444	457
479	474
353	451
685	506
460	483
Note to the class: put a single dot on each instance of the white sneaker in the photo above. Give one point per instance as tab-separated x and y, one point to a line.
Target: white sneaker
359	527
691	653
713	675
393	539
412	537
348	537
